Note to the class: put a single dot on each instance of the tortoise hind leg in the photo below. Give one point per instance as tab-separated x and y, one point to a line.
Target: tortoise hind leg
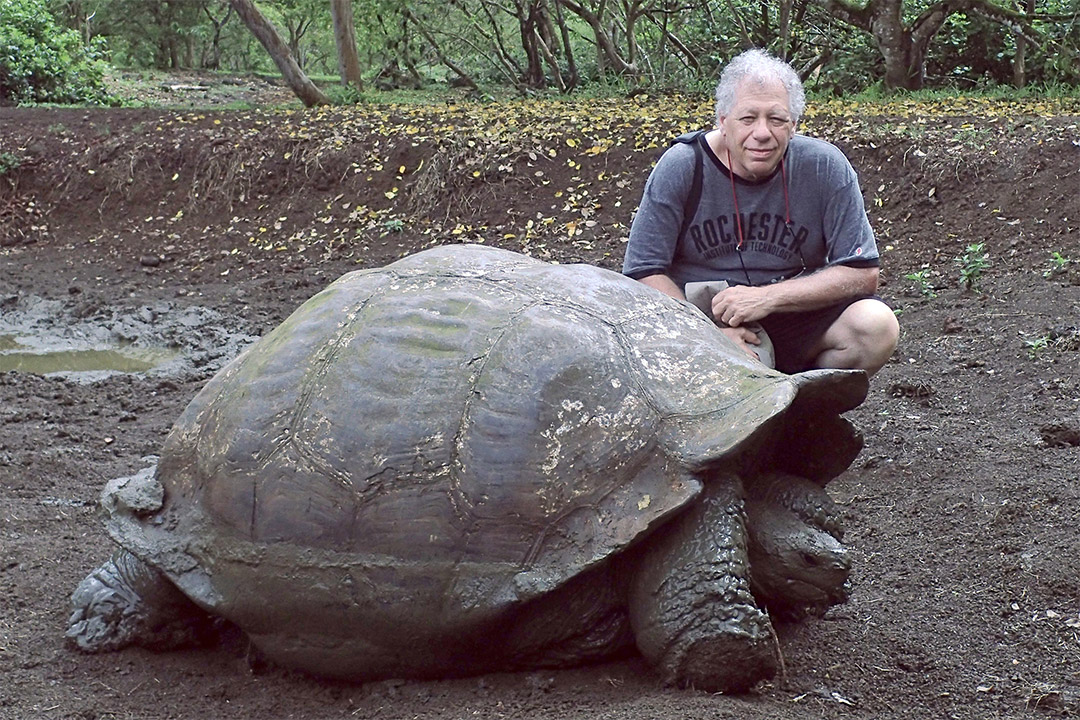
583	621
693	615
127	602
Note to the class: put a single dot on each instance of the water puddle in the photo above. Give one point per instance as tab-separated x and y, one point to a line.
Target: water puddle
85	340
22	358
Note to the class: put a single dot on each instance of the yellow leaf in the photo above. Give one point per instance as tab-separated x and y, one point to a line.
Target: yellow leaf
571	142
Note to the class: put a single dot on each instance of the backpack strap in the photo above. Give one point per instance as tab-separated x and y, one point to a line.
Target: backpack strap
693	197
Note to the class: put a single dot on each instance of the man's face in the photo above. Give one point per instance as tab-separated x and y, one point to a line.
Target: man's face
757	130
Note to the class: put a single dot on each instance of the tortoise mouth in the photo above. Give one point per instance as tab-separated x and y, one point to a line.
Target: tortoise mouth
800	599
818	591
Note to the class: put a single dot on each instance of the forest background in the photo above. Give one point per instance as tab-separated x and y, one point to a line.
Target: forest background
341	51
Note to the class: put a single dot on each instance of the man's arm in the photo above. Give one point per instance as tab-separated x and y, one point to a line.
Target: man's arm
664	284
745	339
742	304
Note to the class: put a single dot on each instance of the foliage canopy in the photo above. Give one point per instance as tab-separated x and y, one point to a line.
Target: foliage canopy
840	47
41	61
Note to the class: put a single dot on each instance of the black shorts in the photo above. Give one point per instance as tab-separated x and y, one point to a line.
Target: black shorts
794	334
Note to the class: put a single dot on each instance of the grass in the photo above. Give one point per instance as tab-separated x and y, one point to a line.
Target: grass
907	110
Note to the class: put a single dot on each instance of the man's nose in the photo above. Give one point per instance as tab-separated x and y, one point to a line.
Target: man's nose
761	128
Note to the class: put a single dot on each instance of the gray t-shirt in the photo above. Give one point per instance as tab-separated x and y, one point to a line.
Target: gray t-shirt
828	223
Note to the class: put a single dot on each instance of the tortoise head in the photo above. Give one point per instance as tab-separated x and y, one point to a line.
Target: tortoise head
796	569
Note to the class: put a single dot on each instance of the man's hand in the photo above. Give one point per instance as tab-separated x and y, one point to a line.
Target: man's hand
740	304
745	339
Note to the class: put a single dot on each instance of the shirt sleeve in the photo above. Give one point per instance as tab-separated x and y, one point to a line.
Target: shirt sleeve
654	232
849	237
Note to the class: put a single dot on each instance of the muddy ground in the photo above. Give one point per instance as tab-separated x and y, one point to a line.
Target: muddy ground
192	232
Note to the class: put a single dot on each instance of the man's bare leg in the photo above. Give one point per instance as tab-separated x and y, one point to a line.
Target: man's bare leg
862	338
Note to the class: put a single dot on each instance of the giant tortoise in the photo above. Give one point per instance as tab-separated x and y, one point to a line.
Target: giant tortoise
470	460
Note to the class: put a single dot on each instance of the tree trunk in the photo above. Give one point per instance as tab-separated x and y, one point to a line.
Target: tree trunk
215	43
530	42
784	48
904	60
463	77
345	37
904	47
901	70
571	64
297	29
268	35
502	57
1019	65
608	53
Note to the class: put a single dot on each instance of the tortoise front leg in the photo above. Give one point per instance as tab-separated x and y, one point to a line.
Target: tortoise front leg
691	609
127	602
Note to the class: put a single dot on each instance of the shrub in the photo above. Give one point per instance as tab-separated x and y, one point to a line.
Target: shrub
41	61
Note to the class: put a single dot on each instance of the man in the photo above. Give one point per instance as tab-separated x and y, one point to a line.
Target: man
776	215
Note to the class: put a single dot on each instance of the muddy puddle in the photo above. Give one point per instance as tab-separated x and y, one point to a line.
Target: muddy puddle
18	357
53	337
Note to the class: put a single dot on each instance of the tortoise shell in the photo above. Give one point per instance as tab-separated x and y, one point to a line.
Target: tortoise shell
422	447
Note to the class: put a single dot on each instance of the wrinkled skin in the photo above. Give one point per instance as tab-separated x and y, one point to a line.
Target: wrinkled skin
126	601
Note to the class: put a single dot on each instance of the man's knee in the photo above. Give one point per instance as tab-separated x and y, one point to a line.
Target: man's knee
875	325
863	337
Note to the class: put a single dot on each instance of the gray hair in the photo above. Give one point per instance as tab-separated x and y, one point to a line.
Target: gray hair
759	66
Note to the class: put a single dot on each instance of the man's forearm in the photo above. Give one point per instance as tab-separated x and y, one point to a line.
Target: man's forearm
742	303
822	288
664	284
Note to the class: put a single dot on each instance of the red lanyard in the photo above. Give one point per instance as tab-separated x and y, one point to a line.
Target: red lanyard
735	198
